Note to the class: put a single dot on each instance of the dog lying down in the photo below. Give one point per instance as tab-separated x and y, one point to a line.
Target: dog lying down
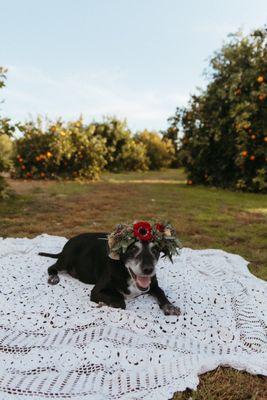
121	265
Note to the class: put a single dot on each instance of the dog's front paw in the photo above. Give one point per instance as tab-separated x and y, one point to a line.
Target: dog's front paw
53	279
170	309
116	304
101	304
112	304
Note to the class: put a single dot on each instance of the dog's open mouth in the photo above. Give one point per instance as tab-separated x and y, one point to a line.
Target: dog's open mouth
141	281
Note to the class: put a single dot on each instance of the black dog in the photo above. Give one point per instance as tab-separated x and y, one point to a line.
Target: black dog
86	257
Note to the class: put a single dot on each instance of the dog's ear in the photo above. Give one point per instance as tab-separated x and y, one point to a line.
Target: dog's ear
166	253
114	255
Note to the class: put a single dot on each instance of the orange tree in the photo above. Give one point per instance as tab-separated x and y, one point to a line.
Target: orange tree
160	151
61	150
225	126
76	150
6	131
171	135
123	153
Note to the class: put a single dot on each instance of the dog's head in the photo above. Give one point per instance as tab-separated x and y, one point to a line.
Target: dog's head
140	259
139	246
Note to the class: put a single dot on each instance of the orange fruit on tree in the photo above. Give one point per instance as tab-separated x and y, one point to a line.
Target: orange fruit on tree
260	79
252	158
253	137
23	167
265	139
261	97
49	154
244	153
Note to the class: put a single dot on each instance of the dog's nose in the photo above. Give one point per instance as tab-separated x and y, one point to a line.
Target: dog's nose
147	270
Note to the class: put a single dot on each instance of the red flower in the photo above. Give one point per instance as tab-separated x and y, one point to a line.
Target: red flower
160	227
142	231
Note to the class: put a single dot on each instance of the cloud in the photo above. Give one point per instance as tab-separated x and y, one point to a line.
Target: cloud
31	91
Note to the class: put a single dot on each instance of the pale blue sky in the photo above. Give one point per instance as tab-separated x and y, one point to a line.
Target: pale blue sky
137	59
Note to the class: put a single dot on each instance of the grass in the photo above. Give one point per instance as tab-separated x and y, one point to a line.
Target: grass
204	218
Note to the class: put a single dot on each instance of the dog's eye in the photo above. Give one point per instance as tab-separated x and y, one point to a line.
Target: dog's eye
133	249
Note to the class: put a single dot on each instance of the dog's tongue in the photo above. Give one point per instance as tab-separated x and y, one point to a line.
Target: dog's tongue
143	281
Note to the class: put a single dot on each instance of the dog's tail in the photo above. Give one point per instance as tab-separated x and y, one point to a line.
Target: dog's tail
49	255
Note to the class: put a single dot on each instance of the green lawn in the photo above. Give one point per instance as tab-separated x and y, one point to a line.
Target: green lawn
204	218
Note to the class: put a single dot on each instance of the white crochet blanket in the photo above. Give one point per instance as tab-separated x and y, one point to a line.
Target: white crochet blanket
56	344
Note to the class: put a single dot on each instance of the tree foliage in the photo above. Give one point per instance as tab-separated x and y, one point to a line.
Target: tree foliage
66	150
123	153
172	134
6	150
6	130
160	153
225	126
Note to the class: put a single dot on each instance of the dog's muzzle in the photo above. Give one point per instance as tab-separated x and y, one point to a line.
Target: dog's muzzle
142	281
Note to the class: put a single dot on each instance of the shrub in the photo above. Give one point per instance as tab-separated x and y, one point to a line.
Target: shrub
225	126
133	156
122	152
160	153
61	150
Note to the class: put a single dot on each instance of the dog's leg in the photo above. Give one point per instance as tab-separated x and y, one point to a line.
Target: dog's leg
53	277
167	307
108	297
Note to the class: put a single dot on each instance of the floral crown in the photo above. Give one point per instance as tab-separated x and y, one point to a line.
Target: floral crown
162	234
